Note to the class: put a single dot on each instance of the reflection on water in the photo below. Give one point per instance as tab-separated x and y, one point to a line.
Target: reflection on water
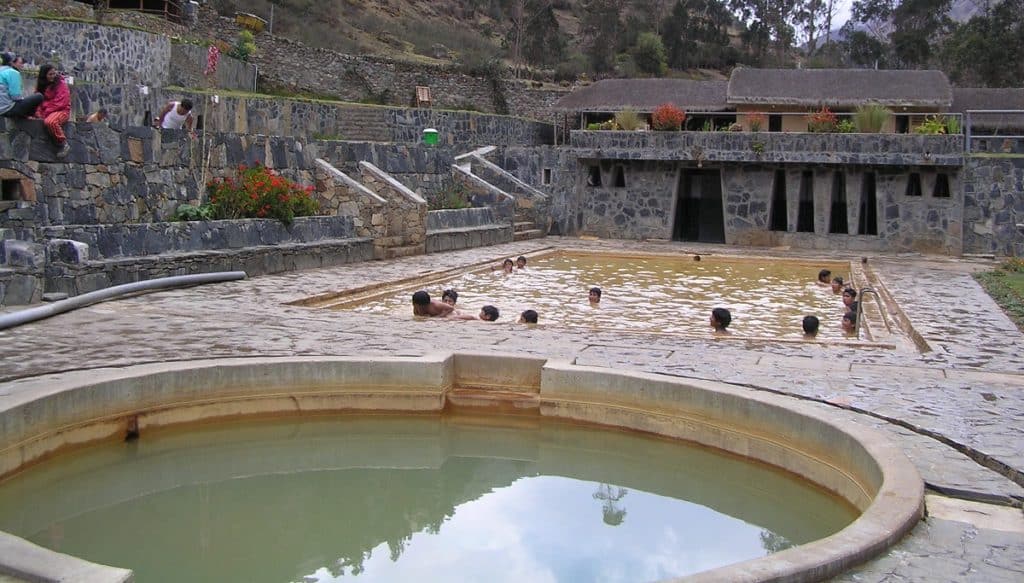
768	299
399	498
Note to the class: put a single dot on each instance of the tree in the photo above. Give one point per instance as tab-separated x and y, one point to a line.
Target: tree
916	26
600	28
770	23
534	34
988	50
695	35
649	54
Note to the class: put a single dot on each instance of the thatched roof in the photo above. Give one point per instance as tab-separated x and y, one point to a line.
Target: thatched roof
965	98
645	95
839	87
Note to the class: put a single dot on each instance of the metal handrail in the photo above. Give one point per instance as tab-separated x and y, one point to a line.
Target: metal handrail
969	116
860	308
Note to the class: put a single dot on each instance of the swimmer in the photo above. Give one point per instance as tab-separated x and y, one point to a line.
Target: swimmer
594	296
422	305
810	326
849	322
720	319
837	285
489	313
521	262
450	296
528	317
824	277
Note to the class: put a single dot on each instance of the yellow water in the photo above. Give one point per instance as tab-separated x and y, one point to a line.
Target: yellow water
671	295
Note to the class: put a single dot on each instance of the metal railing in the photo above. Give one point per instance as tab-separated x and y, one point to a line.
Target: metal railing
975	119
721	120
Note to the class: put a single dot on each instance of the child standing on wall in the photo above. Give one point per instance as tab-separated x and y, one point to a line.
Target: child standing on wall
55	110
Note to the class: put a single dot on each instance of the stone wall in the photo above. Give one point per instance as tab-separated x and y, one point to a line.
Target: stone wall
994	205
404	221
98	54
188	68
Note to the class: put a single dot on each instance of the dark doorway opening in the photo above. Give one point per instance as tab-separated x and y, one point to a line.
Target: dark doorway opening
867	224
775	123
902	124
837	212
779	218
699	215
805	213
941	189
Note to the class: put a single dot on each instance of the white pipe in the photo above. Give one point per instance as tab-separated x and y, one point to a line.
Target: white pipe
32	314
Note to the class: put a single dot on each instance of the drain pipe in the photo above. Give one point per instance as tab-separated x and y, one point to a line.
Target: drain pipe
32	314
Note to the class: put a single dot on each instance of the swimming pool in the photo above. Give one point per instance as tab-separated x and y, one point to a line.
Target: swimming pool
641	293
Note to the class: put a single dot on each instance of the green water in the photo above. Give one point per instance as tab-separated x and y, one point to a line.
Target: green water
672	295
390	498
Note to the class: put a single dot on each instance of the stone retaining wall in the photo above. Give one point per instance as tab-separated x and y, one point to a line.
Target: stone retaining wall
452	229
188	69
100	54
993	205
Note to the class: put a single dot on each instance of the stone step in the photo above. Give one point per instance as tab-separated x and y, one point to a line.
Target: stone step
406	251
7	205
522	225
530	234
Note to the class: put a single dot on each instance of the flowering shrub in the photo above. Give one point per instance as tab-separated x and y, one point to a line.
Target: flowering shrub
259	192
668	117
757	121
822	121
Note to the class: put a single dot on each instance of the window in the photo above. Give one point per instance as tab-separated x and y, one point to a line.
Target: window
545	176
594	176
913	184
868	222
620	177
775	123
805	214
11	189
941	189
837	217
778	220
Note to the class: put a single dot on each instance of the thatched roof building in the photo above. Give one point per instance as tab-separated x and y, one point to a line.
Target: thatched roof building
645	95
972	98
839	88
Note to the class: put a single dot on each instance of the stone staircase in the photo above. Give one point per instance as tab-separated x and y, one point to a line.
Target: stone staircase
523	228
531	215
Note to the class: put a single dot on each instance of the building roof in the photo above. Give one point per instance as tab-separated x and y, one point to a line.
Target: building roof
973	98
645	95
839	87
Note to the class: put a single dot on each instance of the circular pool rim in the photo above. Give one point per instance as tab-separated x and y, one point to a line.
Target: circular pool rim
41	416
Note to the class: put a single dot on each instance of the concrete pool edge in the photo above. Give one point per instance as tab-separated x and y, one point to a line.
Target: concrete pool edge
43	415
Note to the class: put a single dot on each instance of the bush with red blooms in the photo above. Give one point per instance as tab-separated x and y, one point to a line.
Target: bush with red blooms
668	117
258	192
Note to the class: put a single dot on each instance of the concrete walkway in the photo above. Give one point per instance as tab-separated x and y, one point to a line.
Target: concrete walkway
956	409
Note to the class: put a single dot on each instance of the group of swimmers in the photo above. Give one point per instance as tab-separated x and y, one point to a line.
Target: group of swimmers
849	320
422	305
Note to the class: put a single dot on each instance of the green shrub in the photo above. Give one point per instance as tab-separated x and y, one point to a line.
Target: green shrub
871	118
628	120
258	192
188	212
453	195
846	126
933	124
245	46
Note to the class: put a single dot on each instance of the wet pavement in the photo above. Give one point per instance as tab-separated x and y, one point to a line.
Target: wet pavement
956	408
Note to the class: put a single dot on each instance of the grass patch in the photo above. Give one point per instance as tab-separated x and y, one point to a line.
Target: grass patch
1006	286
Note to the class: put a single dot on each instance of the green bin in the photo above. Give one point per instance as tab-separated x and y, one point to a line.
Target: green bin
430	137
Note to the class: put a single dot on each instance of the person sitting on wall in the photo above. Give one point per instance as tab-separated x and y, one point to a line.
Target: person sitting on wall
720	320
422	305
810	326
837	285
489	313
528	317
12	104
176	115
55	110
824	277
97	117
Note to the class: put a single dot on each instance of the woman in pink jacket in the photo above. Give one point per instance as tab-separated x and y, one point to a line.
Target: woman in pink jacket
55	110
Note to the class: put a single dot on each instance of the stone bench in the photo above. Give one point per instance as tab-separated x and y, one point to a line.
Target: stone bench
453	229
83	258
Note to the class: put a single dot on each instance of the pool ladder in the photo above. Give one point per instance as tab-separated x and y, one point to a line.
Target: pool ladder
860	308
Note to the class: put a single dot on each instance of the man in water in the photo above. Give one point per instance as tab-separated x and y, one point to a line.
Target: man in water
422	305
594	296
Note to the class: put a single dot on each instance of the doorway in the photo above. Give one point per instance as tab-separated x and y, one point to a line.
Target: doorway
699	216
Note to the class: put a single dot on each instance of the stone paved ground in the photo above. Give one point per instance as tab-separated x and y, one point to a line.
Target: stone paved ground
957	409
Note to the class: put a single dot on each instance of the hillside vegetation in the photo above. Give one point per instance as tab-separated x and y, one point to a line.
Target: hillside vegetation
977	42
